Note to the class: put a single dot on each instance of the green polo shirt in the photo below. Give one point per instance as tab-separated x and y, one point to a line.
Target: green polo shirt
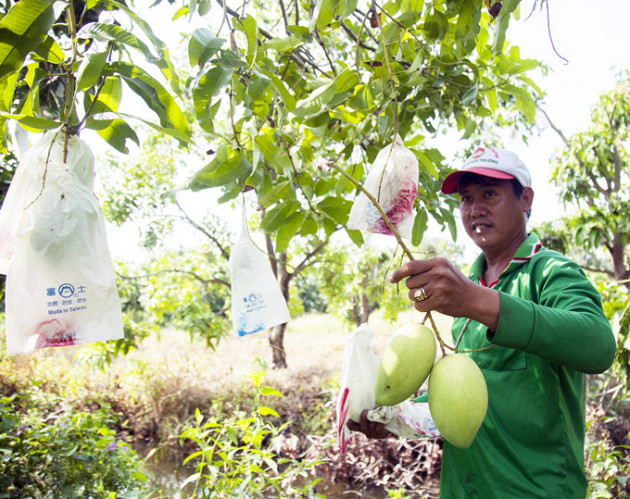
551	331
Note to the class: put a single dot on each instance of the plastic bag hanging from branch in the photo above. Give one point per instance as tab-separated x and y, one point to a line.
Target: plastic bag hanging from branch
393	182
257	301
60	287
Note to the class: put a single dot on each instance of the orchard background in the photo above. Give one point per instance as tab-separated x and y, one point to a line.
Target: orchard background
263	104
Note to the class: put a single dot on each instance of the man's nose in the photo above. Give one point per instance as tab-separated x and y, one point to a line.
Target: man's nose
478	208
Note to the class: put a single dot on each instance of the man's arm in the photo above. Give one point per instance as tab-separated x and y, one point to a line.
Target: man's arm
566	326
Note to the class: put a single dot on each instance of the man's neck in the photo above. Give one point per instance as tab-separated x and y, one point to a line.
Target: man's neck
497	262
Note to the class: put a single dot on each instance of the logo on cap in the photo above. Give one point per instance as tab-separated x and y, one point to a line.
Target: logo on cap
482	150
478	153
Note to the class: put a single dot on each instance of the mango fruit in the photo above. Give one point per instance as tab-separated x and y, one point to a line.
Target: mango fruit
404	364
458	398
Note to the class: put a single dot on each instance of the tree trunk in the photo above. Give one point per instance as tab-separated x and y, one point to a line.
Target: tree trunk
276	334
279	267
276	342
622	274
356	317
365	307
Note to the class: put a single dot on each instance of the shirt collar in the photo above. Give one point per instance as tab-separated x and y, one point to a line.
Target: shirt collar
524	253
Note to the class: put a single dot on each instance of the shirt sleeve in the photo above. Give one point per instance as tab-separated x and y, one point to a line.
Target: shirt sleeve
564	323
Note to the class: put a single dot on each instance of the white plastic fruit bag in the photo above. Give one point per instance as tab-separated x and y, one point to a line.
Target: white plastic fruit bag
60	287
408	419
393	181
356	384
257	302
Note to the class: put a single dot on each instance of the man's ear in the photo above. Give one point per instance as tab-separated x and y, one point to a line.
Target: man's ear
527	198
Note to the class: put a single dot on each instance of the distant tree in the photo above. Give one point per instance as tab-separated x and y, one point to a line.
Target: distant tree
354	283
593	175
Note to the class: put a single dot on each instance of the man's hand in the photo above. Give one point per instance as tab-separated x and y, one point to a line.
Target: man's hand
436	284
370	429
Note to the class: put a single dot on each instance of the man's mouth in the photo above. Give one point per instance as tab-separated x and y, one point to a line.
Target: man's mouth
479	227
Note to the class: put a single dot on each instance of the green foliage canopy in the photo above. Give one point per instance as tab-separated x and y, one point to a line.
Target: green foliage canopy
309	84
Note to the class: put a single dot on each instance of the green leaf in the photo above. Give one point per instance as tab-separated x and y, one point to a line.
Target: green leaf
267	390
419	227
309	226
287	230
277	192
106	32
32	123
502	22
249	27
287	97
274	155
208	86
322	15
427	163
21	30
435	25
283	44
50	51
90	70
202	46
154	94
7	88
349	6
275	217
346	81
524	102
316	101
470	95
222	170
267	411
114	132
108	98
356	237
411	5
336	208
468	24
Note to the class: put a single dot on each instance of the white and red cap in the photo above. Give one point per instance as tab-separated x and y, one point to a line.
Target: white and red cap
490	162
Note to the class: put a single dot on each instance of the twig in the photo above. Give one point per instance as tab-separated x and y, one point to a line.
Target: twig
396	234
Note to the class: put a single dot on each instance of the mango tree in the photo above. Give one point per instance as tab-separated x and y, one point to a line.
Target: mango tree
296	99
310	91
592	171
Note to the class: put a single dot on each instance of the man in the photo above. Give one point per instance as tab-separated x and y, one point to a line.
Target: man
546	326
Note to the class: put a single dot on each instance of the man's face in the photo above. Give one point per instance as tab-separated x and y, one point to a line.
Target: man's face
493	217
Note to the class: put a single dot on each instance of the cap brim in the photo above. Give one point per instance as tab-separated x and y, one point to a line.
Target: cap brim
449	186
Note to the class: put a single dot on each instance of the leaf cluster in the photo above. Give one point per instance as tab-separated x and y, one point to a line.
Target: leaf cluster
61	65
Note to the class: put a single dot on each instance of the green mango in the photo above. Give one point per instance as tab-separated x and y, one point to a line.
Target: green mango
458	398
404	364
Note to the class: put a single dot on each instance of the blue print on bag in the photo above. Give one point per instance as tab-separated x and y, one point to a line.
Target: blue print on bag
254	302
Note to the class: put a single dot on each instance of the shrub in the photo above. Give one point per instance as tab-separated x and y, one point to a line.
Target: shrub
239	456
51	451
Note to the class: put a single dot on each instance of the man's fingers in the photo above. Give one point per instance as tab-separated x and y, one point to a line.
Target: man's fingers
353	425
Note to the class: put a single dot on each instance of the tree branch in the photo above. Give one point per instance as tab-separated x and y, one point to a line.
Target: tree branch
567	142
190	273
306	259
224	253
355	39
